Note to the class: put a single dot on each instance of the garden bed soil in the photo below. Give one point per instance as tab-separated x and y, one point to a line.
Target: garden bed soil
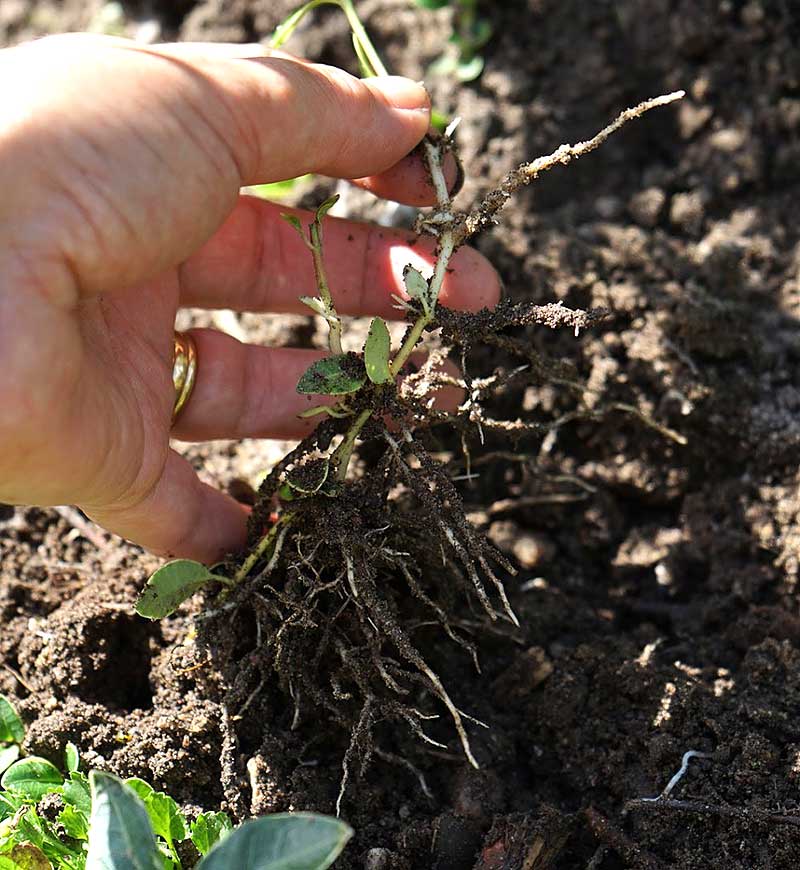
657	591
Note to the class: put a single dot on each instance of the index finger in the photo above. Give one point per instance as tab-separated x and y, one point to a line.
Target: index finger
168	147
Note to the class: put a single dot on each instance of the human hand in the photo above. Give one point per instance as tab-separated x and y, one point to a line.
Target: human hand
120	172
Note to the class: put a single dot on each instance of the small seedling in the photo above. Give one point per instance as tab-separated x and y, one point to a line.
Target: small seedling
470	34
105	823
341	569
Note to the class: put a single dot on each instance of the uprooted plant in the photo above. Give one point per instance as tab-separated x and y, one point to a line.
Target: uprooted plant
342	567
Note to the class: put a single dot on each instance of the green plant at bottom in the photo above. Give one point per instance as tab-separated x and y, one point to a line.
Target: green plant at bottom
51	820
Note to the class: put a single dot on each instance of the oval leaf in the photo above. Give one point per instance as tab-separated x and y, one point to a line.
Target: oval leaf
72	757
287	841
120	834
170	586
32	777
294	221
376	352
11	728
416	285
326	206
333	376
469	70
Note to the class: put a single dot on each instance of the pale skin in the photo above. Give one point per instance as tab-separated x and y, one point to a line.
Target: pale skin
120	175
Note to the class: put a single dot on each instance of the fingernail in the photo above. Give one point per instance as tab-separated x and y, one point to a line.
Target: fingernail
402	93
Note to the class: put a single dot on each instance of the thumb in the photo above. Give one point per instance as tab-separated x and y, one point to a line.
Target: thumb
179	517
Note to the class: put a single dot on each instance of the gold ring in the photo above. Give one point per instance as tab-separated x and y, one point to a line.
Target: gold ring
184	370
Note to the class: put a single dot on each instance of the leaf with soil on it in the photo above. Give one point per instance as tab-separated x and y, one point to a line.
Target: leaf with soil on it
334	376
309	477
171	585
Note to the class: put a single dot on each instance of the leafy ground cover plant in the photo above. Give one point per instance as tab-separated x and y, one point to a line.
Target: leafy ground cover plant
342	568
51	820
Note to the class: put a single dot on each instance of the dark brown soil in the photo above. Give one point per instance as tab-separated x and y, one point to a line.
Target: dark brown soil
658	583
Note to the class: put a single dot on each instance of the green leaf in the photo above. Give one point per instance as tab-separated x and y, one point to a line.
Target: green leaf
376	352
445	65
439	120
287	841
76	793
285	492
326	206
10	803
364	65
75	823
171	585
11	728
120	834
294	221
276	189
481	33
469	70
432	4
33	829
208	829
167	819
72	758
7	864
26	856
32	777
416	286
333	375
8	755
142	789
287	27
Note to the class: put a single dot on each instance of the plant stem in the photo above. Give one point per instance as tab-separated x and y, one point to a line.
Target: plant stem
331	317
360	34
263	545
364	46
433	155
341	456
409	344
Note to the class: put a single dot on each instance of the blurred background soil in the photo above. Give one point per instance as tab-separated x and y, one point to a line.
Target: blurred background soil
658	582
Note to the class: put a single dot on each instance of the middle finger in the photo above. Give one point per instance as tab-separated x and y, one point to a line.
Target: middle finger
257	262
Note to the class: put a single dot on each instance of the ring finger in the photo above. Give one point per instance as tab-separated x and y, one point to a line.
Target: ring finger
248	391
